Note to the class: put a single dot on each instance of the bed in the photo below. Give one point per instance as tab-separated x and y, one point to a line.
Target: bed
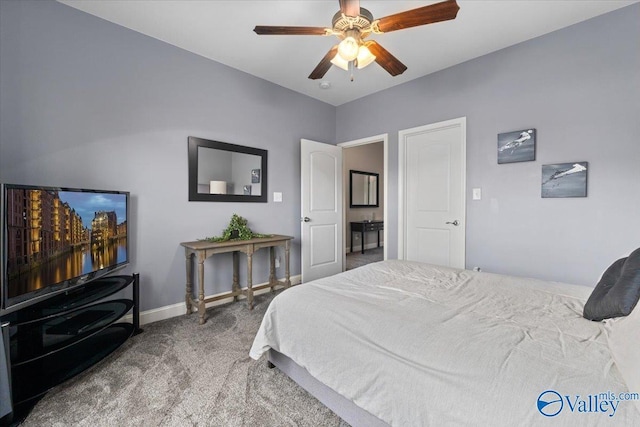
410	344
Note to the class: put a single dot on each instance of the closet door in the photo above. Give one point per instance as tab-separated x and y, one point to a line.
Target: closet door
432	193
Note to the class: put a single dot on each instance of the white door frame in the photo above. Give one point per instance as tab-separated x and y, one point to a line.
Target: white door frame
402	141
384	138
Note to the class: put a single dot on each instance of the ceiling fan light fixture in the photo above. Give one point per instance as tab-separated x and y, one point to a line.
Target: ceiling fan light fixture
365	57
349	47
340	62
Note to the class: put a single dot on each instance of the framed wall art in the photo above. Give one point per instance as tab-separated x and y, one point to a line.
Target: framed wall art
565	180
517	146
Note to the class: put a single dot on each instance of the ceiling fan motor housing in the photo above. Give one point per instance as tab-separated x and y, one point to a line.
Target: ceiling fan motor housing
362	22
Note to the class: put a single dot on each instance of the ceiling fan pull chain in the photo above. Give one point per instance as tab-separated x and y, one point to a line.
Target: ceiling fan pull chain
351	67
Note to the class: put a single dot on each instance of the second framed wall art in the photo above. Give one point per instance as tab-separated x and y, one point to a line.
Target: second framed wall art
564	180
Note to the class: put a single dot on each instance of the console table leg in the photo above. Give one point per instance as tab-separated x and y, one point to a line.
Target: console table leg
272	268
189	290
201	304
250	280
287	281
236	268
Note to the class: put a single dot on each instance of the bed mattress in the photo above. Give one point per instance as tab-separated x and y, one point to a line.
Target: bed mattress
420	345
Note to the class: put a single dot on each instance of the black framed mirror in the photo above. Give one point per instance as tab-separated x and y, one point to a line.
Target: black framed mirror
363	189
222	172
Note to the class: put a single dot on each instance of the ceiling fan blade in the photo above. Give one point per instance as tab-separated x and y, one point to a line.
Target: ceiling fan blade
385	59
300	31
350	7
438	12
324	65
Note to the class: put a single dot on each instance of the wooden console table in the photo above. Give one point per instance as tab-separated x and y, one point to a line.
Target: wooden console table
201	250
364	226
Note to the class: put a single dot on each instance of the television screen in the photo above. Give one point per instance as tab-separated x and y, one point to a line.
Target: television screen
58	238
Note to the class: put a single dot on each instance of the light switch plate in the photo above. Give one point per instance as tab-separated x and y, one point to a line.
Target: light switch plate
277	196
477	194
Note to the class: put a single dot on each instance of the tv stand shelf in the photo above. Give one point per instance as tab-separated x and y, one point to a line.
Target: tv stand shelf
56	339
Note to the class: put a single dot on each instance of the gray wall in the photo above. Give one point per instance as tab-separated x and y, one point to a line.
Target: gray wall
86	103
580	88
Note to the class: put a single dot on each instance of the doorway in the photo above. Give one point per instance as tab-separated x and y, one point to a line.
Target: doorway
366	225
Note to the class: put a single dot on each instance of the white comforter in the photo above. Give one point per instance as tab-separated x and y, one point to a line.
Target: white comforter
420	345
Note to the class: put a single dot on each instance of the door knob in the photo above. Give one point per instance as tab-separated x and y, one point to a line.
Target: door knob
455	222
305	219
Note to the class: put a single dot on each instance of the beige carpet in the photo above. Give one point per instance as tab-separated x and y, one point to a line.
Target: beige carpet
179	373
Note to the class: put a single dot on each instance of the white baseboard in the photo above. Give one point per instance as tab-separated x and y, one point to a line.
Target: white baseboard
178	309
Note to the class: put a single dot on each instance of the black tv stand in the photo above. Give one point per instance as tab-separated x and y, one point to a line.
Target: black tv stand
54	340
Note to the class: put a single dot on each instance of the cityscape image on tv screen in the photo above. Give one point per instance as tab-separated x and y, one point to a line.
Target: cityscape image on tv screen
54	235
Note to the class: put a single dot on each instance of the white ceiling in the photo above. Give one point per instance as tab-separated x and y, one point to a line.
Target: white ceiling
223	31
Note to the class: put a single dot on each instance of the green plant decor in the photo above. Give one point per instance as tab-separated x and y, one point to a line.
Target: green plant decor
236	230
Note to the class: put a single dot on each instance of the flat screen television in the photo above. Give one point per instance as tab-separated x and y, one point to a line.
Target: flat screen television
55	239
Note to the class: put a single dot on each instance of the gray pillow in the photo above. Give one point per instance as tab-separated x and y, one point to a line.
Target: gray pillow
618	291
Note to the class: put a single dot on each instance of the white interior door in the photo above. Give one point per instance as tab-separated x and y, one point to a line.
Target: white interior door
432	193
321	218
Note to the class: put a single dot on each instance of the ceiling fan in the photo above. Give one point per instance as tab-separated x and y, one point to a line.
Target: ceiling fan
353	24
